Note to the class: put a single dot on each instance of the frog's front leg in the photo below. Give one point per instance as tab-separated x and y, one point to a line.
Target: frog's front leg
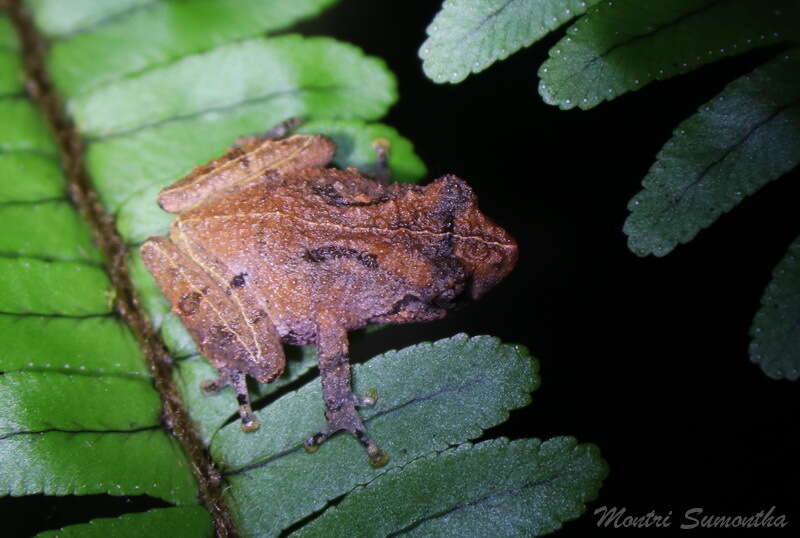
340	402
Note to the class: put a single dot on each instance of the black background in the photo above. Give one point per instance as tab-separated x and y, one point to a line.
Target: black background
645	357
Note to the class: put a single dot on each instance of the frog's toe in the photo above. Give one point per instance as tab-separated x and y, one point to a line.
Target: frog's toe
250	424
312	443
379	458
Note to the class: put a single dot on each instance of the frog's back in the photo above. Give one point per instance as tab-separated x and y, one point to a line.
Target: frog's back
337	240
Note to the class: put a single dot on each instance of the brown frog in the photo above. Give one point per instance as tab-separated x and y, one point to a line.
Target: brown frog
271	247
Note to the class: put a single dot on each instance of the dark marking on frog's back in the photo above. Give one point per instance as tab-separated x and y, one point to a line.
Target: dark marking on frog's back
322	254
332	197
238	281
189	303
455	197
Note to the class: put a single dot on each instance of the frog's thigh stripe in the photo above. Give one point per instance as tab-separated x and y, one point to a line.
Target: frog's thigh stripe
220	280
164	259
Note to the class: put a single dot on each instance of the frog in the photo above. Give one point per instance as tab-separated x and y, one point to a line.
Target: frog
272	245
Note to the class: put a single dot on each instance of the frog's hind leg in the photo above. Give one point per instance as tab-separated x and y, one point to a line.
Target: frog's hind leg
237	380
236	339
340	402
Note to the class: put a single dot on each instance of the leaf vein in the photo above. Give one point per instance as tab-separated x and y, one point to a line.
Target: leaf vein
654	31
233	106
58	430
725	154
510	492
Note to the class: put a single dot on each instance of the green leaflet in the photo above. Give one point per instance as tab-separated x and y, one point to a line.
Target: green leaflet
155	34
430	396
324	73
775	329
8	36
31	405
42	178
70	346
624	45
72	289
50	229
178	522
741	140
468	36
146	462
23	128
518	488
11	76
79	413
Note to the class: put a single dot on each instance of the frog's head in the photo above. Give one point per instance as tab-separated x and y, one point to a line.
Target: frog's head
486	251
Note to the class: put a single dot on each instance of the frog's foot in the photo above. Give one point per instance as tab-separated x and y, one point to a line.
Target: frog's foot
346	418
249	421
382	173
238	381
281	130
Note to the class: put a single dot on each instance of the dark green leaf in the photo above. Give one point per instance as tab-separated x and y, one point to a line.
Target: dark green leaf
624	45
495	488
776	327
741	140
468	36
177	522
146	462
430	396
